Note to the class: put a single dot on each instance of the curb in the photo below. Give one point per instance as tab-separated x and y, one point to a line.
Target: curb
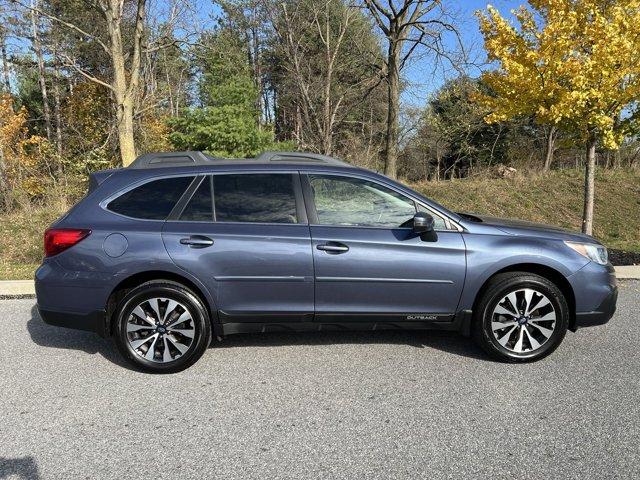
628	272
17	289
23	296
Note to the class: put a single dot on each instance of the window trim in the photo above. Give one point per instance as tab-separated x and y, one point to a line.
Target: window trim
313	215
305	206
301	211
105	202
181	205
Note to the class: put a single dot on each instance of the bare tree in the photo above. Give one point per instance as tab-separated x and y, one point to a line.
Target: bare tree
165	71
57	112
125	80
42	74
125	62
250	17
550	149
5	60
316	50
407	25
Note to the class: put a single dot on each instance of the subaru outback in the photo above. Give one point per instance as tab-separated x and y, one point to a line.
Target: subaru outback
180	247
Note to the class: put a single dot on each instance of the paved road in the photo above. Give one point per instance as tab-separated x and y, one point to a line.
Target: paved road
371	405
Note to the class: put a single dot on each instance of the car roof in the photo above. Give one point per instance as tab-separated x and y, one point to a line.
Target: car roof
194	158
162	164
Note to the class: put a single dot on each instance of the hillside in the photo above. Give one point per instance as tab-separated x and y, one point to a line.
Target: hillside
554	198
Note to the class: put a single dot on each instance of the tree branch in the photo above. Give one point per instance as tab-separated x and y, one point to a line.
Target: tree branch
378	6
64	23
376	16
71	64
137	48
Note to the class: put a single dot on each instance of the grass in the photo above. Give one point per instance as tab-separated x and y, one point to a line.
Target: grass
21	238
554	198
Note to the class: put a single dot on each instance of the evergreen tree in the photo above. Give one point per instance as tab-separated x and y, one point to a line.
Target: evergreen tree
227	123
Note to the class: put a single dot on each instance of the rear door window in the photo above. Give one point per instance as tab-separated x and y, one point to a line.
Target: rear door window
151	201
257	198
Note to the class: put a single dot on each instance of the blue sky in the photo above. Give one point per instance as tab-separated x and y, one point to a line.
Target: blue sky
421	75
423	78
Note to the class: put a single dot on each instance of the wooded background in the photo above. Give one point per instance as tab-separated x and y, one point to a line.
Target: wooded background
90	84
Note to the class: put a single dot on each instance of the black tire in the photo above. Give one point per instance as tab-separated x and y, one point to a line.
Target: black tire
500	286
173	291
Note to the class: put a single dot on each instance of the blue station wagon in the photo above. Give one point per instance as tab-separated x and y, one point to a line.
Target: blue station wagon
179	247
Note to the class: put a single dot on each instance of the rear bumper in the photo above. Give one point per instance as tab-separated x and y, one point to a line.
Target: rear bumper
600	315
92	322
71	299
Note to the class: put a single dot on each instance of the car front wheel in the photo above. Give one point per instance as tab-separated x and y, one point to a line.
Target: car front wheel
521	317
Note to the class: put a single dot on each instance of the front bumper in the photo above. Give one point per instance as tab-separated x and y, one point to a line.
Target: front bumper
601	315
596	292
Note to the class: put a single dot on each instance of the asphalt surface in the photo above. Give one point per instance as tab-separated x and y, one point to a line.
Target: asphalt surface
339	406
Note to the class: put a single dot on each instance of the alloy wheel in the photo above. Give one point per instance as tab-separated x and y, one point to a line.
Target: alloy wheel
523	321
160	329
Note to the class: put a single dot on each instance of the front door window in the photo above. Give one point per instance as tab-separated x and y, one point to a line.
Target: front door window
345	201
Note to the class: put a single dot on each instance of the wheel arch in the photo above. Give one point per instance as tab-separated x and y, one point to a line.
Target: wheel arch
132	281
545	271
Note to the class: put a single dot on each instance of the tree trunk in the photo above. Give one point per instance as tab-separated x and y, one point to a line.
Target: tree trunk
57	111
298	129
589	186
3	180
124	84
257	74
277	116
41	70
126	139
551	147
5	62
124	111
327	124
393	108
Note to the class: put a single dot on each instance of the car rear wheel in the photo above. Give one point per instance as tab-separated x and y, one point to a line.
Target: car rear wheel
162	327
521	317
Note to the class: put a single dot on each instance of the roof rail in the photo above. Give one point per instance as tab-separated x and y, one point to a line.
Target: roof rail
182	159
171	159
298	157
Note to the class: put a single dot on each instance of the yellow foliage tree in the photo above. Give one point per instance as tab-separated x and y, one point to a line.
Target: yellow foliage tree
23	157
572	64
86	113
154	133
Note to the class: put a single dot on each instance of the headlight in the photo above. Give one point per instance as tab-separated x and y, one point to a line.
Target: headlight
592	251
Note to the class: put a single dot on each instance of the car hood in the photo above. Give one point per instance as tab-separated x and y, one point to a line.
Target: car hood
525	228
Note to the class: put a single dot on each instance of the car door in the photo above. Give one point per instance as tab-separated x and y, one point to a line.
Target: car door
245	235
368	261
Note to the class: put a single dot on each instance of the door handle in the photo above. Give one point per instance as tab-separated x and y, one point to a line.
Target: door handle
197	241
333	247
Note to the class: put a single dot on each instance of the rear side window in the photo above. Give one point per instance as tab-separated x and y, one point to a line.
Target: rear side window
263	198
200	207
151	201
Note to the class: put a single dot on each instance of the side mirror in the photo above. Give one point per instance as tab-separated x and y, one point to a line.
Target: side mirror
422	222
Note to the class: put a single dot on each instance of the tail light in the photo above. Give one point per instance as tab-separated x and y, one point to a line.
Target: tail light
57	240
